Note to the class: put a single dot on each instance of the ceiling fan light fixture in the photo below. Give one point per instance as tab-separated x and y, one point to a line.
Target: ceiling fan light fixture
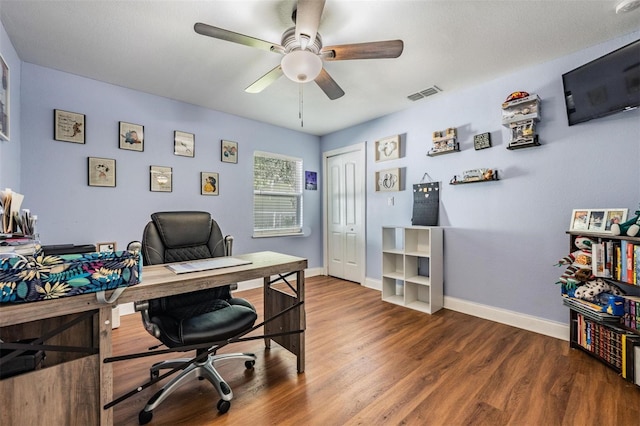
301	66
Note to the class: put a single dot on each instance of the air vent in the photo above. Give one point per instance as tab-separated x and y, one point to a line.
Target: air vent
424	93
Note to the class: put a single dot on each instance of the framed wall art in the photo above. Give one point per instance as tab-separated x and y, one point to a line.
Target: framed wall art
161	179
131	136
388	180
108	247
387	148
229	151
184	144
101	171
209	183
4	100
69	126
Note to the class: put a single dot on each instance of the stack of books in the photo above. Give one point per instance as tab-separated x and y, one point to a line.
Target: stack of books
618	260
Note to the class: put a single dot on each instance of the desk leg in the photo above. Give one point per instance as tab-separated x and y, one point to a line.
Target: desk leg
106	370
276	301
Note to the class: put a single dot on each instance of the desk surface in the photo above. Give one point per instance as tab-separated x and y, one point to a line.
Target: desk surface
158	281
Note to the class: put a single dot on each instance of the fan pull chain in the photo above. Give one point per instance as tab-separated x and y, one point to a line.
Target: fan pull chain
300	104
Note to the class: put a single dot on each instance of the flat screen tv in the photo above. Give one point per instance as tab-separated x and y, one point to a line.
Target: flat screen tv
604	86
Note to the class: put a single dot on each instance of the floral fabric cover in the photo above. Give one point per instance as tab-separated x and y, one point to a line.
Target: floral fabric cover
39	277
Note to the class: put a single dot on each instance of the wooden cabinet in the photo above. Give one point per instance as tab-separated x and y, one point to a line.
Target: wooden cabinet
412	269
613	340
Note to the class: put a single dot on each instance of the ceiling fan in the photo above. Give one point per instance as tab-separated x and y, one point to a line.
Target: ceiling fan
302	50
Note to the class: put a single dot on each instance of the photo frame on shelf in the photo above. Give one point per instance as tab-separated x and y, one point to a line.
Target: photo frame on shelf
109	247
69	126
614	216
4	100
101	171
131	136
387	180
387	148
596	220
161	179
209	183
229	151
184	144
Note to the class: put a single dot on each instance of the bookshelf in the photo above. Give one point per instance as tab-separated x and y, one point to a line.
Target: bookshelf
412	267
613	340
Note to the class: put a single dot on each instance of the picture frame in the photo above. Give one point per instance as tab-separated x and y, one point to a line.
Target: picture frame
311	180
387	180
4	100
131	136
209	183
109	247
160	179
229	151
579	220
184	144
614	216
597	220
387	148
101	171
69	126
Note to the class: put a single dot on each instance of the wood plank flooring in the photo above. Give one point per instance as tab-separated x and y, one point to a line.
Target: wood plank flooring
372	363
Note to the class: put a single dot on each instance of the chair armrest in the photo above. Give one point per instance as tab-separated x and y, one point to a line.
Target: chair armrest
228	250
143	308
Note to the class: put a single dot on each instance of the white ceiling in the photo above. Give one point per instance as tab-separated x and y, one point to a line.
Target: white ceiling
151	46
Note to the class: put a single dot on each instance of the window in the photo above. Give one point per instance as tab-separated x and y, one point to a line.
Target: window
277	195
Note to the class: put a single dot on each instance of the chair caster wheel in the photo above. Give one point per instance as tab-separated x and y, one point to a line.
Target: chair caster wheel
144	417
249	364
223	406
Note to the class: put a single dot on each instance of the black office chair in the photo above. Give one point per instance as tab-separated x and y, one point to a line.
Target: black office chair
204	316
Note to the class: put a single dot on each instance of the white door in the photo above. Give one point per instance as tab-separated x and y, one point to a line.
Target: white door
345	239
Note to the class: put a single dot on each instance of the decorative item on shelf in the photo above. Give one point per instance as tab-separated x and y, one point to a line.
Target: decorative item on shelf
444	142
597	220
474	176
520	113
630	228
387	148
482	141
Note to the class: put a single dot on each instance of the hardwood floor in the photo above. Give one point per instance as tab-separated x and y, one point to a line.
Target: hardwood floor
373	363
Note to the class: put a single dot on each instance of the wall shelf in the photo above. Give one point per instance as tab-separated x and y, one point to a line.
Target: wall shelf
494	176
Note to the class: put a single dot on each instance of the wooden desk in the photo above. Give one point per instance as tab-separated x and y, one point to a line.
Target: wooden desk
75	391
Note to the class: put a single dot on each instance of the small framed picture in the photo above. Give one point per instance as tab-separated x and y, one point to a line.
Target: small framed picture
161	179
597	220
311	180
229	152
184	144
4	100
614	216
101	171
107	247
388	180
387	148
209	183
68	126
579	220
131	136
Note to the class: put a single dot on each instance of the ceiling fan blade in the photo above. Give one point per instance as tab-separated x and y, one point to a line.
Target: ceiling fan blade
233	37
371	50
263	82
328	85
308	16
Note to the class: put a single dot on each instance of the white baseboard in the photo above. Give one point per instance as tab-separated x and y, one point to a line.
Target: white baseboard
503	316
127	308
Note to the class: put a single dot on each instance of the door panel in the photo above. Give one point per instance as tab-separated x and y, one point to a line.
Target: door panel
345	196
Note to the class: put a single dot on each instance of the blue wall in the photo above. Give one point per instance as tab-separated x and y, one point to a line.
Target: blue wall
503	238
54	174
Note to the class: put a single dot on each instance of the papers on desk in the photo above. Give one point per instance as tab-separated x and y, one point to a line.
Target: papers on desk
207	264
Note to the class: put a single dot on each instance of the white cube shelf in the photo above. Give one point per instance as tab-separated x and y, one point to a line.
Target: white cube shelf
412	267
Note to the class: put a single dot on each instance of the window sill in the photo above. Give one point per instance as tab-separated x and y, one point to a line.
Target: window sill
296	234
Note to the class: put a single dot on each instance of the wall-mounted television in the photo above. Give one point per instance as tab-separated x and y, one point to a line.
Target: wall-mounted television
604	86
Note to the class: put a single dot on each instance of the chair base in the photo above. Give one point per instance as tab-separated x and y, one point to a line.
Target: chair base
196	370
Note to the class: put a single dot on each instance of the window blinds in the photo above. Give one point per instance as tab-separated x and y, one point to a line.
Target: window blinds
277	195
